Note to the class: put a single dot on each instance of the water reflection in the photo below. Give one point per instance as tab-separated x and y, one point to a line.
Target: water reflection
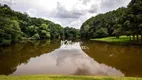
49	57
69	59
126	58
17	54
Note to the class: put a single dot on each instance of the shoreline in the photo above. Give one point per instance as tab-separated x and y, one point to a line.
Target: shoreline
113	40
61	77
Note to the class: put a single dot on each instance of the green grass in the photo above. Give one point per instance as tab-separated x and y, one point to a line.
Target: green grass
122	39
47	77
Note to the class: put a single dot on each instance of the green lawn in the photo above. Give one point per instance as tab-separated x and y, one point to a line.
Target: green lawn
122	39
45	77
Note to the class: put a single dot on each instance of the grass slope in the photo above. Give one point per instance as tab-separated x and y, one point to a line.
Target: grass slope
45	77
122	39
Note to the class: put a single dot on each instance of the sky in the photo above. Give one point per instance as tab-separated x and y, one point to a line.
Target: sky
70	13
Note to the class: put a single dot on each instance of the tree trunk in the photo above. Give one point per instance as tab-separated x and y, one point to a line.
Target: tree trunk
133	37
117	37
130	37
137	37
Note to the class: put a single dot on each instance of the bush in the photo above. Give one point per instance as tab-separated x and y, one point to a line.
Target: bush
100	33
5	42
36	36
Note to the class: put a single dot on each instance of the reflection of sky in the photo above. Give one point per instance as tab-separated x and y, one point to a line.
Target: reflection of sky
68	59
71	46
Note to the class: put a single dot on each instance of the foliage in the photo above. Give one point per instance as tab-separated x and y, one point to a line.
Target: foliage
36	36
44	31
102	32
103	25
71	33
56	32
9	31
123	21
15	26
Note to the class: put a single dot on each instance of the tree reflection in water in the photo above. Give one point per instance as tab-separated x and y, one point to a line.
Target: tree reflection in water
49	57
14	55
126	58
69	59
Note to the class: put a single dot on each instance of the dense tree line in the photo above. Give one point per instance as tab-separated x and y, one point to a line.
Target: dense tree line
71	33
123	21
15	26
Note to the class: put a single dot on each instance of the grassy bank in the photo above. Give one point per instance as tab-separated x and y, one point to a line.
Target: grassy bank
122	39
45	77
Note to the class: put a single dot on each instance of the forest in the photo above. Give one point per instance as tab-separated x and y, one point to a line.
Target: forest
16	26
122	21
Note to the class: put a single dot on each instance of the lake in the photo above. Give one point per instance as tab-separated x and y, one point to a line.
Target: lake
71	58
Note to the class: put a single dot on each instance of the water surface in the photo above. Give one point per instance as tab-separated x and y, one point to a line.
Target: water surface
87	58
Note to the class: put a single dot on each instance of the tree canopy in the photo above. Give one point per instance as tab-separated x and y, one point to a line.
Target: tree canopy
122	21
15	26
